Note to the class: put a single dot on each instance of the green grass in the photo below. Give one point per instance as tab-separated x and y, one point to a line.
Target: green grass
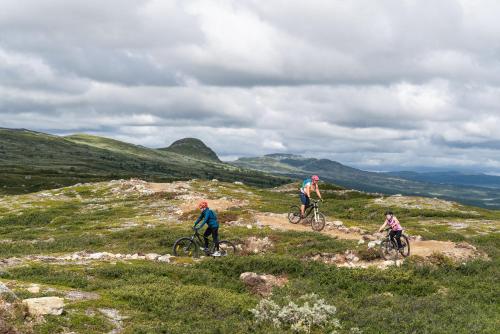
419	297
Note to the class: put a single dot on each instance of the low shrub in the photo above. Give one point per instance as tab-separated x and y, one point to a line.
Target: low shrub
311	312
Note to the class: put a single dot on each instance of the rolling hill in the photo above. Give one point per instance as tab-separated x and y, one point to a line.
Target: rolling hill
32	161
193	147
332	171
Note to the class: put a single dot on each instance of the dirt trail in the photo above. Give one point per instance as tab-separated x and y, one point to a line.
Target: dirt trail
190	198
424	248
215	204
280	222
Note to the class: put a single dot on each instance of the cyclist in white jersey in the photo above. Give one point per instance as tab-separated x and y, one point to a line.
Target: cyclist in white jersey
305	192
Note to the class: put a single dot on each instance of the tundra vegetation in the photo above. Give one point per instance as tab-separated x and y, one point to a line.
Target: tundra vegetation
94	245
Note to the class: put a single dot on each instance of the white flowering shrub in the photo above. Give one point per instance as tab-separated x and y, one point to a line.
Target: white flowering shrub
308	313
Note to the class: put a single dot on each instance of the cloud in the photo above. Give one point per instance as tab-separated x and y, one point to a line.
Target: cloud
380	85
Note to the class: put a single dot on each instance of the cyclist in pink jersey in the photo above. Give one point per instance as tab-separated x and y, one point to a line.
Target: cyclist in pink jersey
395	226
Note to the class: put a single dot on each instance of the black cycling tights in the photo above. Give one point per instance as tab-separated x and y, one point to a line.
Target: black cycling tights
215	235
396	234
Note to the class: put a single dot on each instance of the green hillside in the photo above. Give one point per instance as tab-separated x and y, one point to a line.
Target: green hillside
297	166
194	148
32	161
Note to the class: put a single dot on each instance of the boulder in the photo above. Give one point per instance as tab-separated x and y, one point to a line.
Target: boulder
164	258
256	245
99	256
34	288
350	256
81	295
465	246
374	243
44	305
262	284
152	256
4	290
369	237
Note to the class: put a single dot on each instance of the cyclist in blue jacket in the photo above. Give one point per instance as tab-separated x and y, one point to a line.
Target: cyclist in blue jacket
208	217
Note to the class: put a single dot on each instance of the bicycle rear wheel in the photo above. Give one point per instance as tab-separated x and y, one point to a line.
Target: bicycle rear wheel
318	223
227	248
185	247
387	250
406	246
294	214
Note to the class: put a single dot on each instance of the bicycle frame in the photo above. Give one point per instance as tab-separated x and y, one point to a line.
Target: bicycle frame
313	207
388	237
196	237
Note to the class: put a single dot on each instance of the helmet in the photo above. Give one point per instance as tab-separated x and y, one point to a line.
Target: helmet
203	205
389	212
315	178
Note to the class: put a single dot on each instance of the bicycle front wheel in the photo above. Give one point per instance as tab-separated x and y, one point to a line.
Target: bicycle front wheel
406	246
294	214
227	248
318	222
387	250
185	247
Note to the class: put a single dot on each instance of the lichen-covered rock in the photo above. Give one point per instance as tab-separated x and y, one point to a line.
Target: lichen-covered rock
44	305
257	245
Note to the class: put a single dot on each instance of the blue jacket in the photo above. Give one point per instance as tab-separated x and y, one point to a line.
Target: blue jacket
209	217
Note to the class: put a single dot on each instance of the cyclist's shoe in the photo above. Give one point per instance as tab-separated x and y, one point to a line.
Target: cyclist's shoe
206	250
216	253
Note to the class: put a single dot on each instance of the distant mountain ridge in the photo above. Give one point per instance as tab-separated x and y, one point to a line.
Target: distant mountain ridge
388	183
451	177
31	161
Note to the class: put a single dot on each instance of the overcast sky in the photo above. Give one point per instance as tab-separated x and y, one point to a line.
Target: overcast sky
381	85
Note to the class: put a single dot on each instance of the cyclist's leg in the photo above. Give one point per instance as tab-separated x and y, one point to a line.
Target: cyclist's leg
305	202
208	231
392	234
215	236
398	238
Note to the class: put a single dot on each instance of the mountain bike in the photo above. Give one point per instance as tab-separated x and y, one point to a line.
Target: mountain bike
194	245
311	215
389	249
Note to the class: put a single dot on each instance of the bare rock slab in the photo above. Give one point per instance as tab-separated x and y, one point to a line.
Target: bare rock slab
44	305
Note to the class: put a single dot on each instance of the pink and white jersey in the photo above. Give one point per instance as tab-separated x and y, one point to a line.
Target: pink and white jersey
394	224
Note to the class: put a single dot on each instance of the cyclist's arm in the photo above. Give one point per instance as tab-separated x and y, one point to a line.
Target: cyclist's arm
318	193
198	220
207	215
383	226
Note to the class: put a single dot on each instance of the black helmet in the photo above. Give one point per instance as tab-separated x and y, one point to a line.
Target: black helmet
389	212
